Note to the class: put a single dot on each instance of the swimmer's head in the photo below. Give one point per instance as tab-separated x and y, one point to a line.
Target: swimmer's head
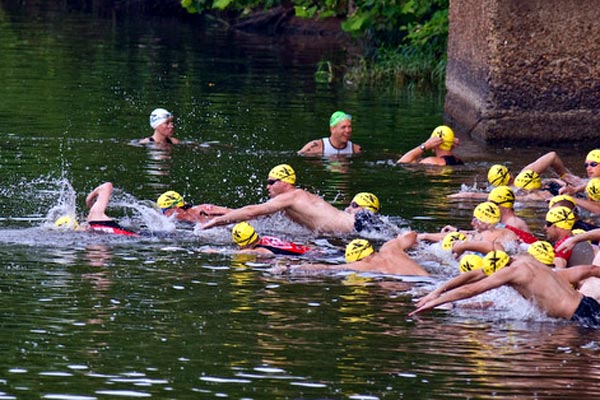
494	261
562	200
593	189
169	200
470	262
487	212
367	200
542	251
498	175
447	135
561	217
284	173
593	155
502	196
451	238
158	116
528	180
338	117
66	222
243	234
358	249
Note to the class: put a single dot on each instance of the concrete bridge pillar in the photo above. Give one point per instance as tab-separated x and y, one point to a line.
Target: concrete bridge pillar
524	71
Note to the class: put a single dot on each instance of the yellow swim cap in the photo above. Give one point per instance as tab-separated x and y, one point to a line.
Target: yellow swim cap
577	231
452	237
170	199
528	180
358	249
502	196
593	189
66	222
367	200
487	212
542	251
562	217
498	175
593	155
284	173
447	136
559	198
243	234
494	261
470	262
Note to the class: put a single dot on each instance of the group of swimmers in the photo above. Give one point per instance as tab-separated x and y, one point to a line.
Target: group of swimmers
560	278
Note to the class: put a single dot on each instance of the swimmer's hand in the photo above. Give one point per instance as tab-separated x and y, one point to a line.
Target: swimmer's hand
433	142
567	245
448	229
419	310
425	299
427	237
210	224
429	305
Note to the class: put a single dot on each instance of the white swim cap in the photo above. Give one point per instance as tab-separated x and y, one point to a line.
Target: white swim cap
159	116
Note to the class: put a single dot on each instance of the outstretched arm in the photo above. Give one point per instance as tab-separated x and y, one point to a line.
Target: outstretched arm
458	281
98	200
252	211
493	281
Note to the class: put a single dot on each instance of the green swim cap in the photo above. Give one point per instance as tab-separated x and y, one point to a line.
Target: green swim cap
338	117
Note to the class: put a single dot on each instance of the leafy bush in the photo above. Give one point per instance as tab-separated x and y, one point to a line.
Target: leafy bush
404	38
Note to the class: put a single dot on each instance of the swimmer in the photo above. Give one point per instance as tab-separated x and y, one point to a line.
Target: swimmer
338	143
161	121
360	256
244	235
171	203
441	142
564	200
592	202
302	207
551	290
485	236
97	220
504	198
559	223
592	169
474	268
528	185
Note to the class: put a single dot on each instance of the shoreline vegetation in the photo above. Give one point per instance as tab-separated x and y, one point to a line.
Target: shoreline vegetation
400	42
387	43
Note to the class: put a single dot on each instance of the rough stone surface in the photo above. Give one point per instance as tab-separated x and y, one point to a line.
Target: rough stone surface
524	71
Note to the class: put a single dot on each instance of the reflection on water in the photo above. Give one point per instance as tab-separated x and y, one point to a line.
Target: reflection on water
177	313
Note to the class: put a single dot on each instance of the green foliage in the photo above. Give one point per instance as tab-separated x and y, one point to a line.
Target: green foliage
407	39
324	73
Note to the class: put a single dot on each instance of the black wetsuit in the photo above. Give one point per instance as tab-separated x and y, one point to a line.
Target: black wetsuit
587	313
151	139
452	160
366	220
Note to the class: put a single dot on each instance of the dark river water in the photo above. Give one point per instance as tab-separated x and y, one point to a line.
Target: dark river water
178	315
